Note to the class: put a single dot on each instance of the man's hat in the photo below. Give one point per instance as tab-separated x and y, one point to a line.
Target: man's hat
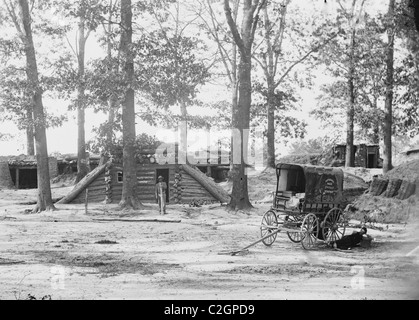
365	229
160	178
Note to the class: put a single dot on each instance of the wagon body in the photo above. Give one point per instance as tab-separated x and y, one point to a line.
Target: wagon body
306	204
318	189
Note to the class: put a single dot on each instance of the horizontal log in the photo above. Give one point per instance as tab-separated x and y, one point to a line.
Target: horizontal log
96	189
196	194
97	184
96	199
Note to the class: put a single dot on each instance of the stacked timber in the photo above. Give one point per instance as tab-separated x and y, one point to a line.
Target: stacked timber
407	189
177	187
393	188
378	186
401	189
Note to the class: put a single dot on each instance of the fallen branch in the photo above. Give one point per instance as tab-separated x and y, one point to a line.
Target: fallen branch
30	203
138	220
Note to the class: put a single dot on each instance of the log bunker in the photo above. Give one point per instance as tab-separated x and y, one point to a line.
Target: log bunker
185	184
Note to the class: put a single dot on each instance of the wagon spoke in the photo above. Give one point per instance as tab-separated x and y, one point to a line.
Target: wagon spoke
334	225
269	225
310	229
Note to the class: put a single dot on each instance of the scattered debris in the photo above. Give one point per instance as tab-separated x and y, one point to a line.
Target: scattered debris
8	218
7	262
200	203
106	242
31	297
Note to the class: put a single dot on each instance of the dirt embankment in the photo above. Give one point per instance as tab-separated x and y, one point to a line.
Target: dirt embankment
397	200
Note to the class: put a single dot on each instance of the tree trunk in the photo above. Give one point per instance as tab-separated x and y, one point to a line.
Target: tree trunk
112	105
271	127
183	143
240	195
234	102
112	102
82	165
30	134
388	118
129	190
350	113
241	119
376	126
44	200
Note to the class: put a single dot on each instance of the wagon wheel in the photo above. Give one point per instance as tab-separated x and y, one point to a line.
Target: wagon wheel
295	237
269	225
310	231
334	225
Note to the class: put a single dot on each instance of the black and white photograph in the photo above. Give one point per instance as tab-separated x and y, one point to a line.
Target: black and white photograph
227	152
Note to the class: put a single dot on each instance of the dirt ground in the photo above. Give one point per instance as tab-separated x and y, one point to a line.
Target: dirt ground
106	254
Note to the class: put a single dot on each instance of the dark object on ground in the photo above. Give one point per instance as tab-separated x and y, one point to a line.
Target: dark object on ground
106	242
350	241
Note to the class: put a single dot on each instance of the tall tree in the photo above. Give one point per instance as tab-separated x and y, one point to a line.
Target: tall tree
129	190
342	53
388	118
241	116
113	65
227	49
353	17
273	58
83	35
44	199
368	82
87	14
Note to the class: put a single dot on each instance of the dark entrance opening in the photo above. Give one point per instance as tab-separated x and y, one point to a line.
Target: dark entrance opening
372	161
165	174
24	178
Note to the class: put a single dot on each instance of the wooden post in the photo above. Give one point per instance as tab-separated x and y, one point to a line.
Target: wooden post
86	200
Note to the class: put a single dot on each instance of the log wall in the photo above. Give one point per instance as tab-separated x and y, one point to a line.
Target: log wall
96	193
193	190
146	177
183	188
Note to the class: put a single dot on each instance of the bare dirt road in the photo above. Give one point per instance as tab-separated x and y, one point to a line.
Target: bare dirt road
68	254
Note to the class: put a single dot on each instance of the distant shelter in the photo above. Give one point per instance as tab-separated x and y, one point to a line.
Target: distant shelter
366	156
23	170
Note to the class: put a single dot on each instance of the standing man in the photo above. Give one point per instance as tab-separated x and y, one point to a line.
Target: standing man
161	188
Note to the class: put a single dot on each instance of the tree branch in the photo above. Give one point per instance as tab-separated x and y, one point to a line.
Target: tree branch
303	58
233	28
257	7
11	10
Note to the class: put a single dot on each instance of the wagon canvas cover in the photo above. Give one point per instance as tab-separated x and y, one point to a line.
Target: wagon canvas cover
323	185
